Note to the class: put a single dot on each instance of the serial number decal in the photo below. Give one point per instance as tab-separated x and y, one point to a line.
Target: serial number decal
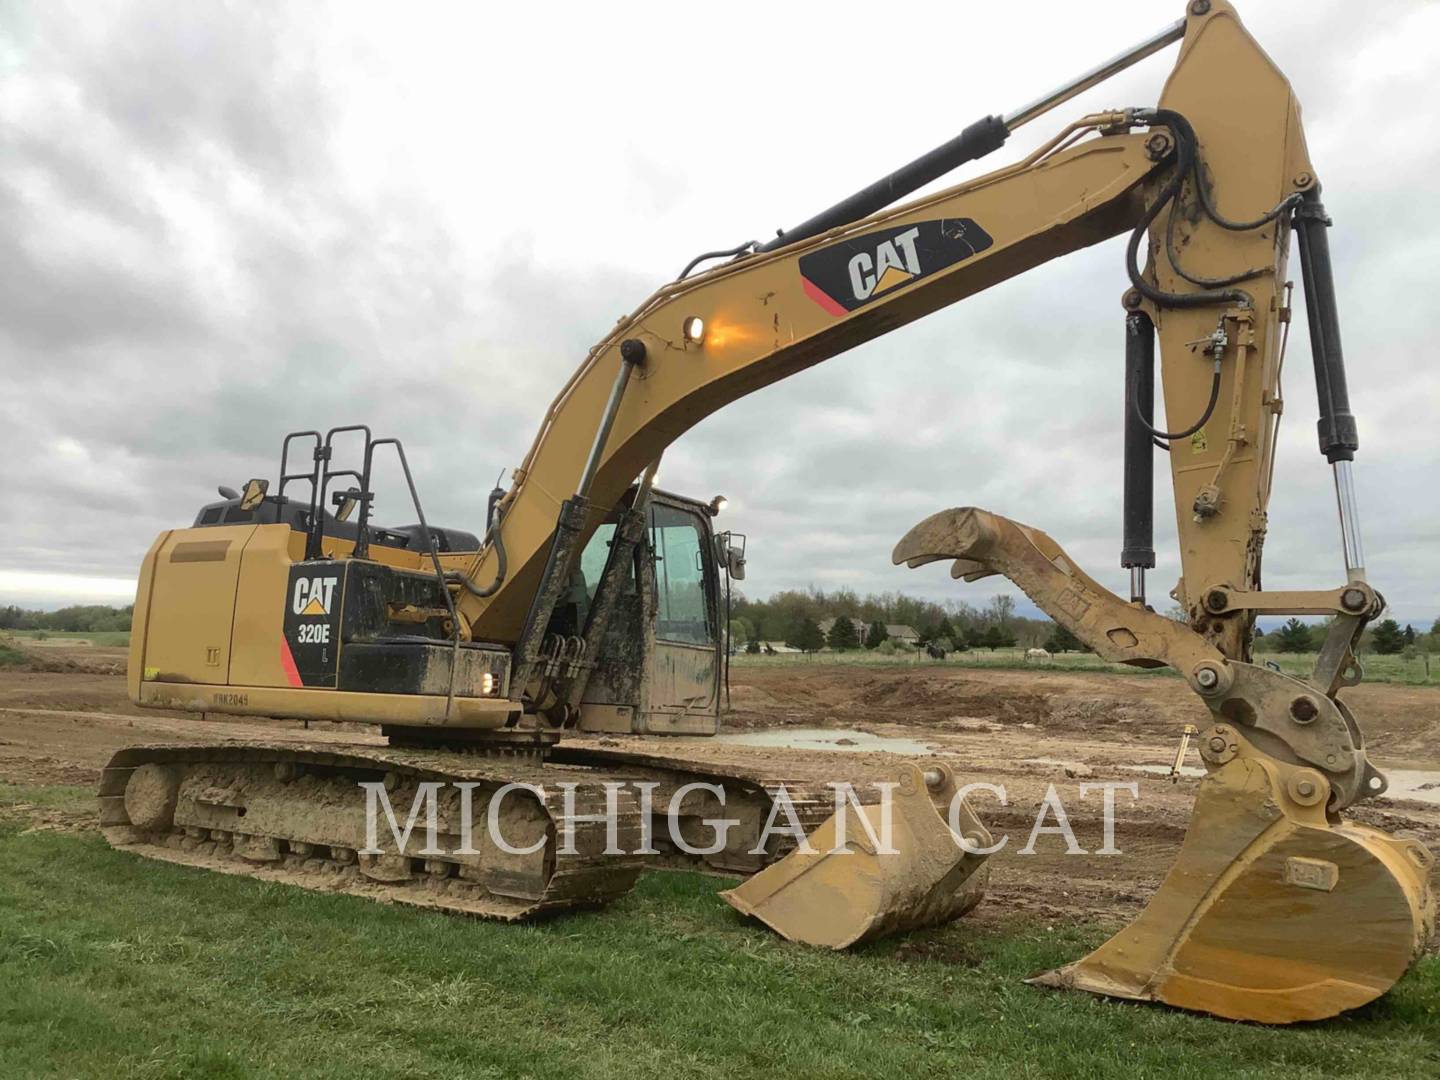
232	699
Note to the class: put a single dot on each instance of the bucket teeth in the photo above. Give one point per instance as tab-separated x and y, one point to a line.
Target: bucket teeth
838	894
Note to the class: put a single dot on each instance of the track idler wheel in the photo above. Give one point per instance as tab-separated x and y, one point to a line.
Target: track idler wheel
1273	912
839	897
151	795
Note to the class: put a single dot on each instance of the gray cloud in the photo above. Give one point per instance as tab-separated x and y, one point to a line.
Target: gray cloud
223	223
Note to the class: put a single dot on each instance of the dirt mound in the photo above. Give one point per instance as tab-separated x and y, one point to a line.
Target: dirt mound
72	665
66	660
68	690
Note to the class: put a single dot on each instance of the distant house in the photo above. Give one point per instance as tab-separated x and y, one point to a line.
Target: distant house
897	632
769	647
826	625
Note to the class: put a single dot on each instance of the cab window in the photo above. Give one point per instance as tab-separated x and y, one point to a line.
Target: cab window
683	609
593	559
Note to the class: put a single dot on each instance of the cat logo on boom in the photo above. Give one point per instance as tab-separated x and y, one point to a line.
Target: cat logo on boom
847	275
313	595
895	262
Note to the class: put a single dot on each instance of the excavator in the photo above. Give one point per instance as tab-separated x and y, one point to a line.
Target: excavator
589	604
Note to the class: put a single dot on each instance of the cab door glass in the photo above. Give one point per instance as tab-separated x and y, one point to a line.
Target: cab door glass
593	558
682	607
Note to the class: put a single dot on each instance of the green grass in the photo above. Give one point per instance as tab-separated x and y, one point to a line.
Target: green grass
95	637
1384	669
115	966
51	796
11	656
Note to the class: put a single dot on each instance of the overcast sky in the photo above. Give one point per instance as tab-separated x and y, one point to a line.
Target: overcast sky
223	222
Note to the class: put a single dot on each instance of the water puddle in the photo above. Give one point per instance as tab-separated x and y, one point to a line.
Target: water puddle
1164	770
826	739
1417	785
1085	770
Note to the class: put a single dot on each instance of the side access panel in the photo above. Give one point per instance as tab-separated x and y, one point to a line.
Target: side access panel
261	606
192	605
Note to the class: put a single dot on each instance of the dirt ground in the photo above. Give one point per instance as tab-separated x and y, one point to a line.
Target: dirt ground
1024	730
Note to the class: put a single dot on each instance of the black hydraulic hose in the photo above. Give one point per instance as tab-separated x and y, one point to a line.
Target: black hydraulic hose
740	249
1202	191
491	537
1270	215
1196	279
1171	436
1184	166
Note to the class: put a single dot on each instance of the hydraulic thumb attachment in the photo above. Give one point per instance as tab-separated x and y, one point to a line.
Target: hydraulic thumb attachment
1277	909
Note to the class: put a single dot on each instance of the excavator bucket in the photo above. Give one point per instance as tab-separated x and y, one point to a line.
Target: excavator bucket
1278	909
1273	912
837	896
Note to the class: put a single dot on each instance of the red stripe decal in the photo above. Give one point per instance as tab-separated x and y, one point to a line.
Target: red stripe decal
819	296
287	661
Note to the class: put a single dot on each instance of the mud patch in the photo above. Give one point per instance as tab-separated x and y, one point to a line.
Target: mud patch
49	819
828	739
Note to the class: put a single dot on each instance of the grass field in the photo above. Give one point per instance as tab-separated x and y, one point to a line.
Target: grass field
113	966
1387	669
94	637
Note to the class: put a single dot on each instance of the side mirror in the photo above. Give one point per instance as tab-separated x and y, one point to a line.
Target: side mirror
345	503
227	492
735	563
254	494
730	554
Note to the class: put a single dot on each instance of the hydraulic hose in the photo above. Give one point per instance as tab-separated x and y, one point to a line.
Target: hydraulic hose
1184	167
1214	215
739	249
491	537
1171	436
1195	279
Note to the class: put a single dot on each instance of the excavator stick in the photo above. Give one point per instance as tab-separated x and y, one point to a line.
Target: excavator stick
1277	909
838	895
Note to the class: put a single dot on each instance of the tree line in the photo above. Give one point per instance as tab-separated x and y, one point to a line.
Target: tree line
79	618
793	617
1386	638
